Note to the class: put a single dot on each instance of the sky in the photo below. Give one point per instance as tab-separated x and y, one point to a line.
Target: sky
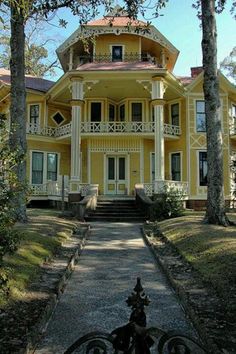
180	25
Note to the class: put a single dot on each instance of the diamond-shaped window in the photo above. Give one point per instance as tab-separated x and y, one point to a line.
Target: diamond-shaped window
58	118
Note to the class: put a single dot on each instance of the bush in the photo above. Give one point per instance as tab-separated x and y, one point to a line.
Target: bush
168	204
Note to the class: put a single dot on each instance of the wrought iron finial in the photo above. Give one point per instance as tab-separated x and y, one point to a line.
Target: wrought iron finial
137	300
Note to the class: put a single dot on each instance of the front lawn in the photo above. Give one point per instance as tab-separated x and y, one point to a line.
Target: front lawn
210	249
41	238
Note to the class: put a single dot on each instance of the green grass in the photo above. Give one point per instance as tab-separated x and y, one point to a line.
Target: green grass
210	249
41	238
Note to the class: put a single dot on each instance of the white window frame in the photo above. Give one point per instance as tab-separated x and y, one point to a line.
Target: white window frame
198	170
45	180
181	164
52	117
171	103
130	110
28	111
117	45
195	114
102	109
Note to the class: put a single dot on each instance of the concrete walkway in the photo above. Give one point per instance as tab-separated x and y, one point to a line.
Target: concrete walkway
114	256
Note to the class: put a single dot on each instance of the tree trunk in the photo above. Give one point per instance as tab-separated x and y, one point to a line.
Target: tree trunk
215	213
17	139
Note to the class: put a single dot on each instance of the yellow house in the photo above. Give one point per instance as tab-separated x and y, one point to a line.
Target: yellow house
119	117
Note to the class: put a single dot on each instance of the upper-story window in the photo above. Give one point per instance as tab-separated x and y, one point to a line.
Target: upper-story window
111	112
136	111
122	112
96	112
200	116
117	53
174	113
34	114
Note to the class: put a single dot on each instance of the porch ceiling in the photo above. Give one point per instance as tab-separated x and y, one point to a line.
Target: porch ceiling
116	89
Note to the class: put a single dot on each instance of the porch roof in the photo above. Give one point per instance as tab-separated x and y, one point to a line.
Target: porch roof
116	66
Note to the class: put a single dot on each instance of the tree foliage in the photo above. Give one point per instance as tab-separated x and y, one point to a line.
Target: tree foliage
229	65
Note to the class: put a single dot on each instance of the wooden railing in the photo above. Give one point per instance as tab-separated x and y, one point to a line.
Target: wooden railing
103	128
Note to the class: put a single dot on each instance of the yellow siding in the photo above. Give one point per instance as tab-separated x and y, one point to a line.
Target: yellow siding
97	174
104	42
52	110
134	170
148	148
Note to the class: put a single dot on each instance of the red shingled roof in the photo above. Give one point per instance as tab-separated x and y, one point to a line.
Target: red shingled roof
116	21
31	82
185	80
115	66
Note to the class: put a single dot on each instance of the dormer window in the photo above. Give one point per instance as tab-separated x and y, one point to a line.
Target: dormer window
117	53
58	118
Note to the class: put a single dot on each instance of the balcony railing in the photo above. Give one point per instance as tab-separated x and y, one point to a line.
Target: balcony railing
103	127
108	58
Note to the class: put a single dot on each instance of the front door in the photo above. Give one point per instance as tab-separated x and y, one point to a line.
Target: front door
116	175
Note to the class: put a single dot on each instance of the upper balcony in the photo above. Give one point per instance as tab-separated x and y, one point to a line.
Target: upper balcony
120	57
105	128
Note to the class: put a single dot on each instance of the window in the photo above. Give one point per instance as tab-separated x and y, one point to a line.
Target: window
136	112
203	168
37	167
111	112
175	167
96	112
117	53
58	118
200	116
52	166
122	113
34	114
174	111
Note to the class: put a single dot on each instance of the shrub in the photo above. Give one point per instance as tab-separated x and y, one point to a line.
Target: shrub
168	204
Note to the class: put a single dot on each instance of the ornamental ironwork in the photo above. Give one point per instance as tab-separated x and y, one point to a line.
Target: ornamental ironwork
134	337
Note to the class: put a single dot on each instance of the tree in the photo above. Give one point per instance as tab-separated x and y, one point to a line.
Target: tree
36	51
229	65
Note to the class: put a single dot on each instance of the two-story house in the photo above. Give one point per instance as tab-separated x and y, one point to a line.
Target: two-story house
119	116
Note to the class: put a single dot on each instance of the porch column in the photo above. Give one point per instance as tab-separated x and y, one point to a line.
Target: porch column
76	108
158	90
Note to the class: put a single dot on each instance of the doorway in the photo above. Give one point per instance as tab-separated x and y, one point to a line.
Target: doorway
116	175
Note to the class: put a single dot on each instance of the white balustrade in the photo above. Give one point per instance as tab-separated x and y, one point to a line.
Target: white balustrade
168	186
103	127
63	130
39	189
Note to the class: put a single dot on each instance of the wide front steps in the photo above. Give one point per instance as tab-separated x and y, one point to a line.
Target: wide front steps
120	210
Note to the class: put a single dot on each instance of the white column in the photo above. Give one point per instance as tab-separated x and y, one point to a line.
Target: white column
71	53
76	107
158	90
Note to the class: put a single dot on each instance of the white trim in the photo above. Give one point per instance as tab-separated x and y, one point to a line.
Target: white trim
52	117
170	103
40	111
44	164
117	45
198	171
181	163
